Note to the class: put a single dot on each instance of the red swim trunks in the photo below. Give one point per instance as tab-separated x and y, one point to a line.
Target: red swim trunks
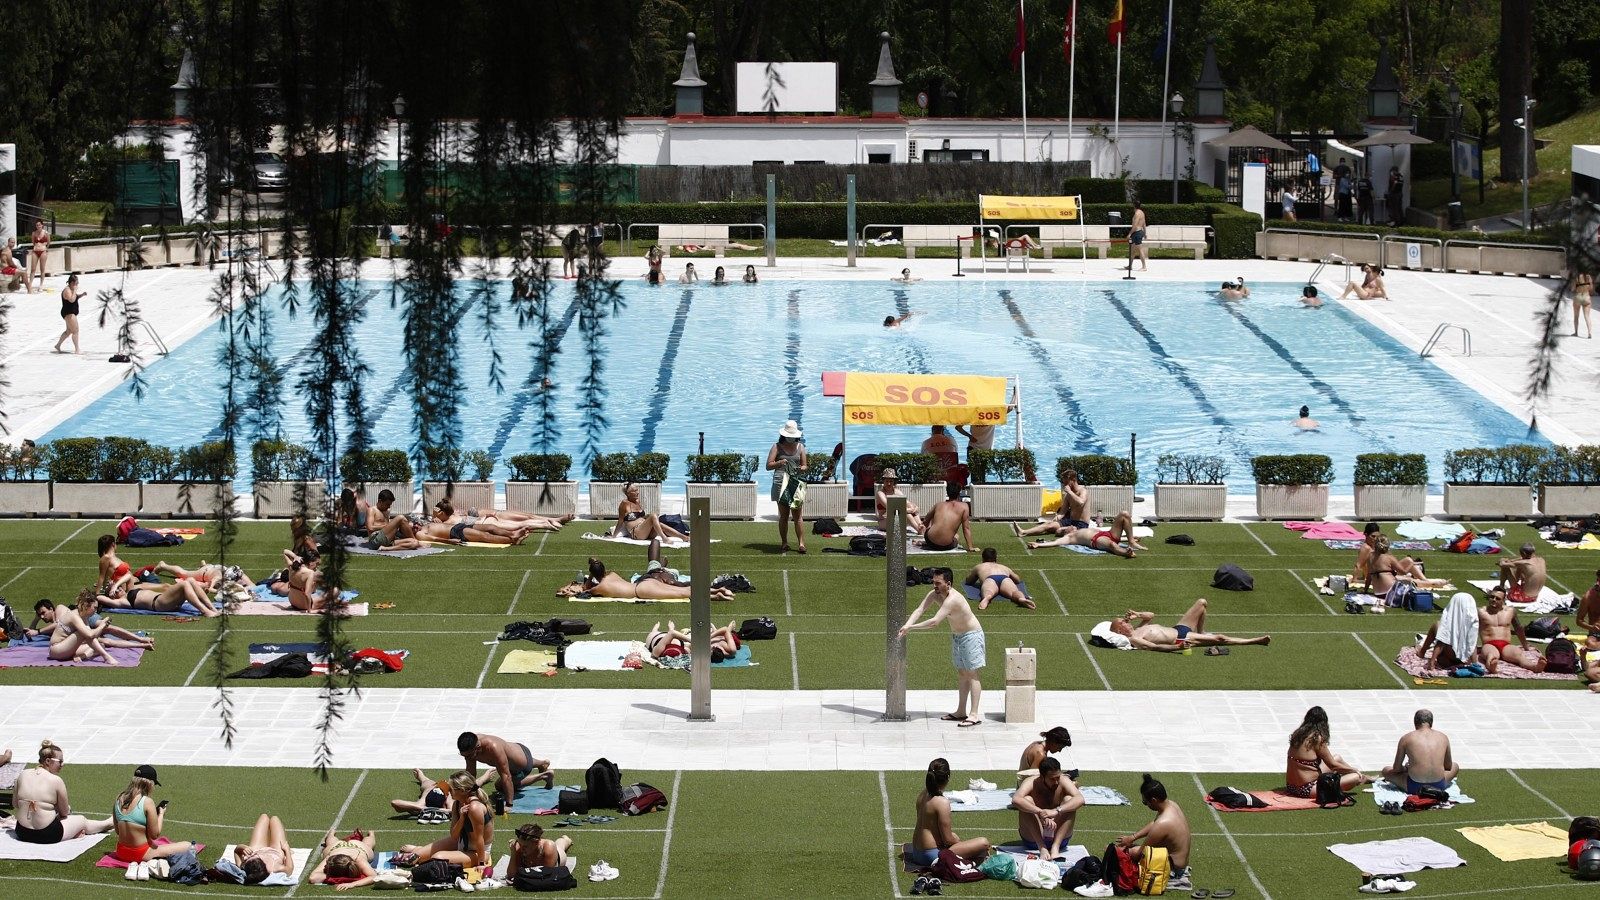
1499	645
131	854
1515	595
1102	534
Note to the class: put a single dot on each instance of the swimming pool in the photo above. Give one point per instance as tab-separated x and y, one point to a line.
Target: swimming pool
1097	361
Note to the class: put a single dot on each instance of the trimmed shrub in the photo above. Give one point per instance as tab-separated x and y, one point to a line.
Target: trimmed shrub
1392	468
375	466
1098	468
1012	465
276	460
1191	468
1571	465
1292	469
912	468
209	463
721	468
73	459
1511	464
819	468
1234	231
1120	190
160	464
645	468
539	466
124	459
453	464
479	463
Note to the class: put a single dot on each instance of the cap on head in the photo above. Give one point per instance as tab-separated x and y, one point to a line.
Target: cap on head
148	772
1057	735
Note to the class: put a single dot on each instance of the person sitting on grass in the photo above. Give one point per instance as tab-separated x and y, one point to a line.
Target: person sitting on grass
513	763
602	582
386	530
933	832
1169	831
435	794
1453	638
1497	621
1524	576
1588	617
634	522
79	633
1053	741
1384	569
114	573
1423	757
43	813
995	580
267	853
889	486
1047	807
1310	756
139	820
346	862
1140	629
1369	540
1108	540
530	848
1073	514
471	829
946	520
304	583
508	519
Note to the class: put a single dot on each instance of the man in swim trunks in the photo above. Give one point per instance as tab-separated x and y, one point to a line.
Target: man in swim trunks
516	765
1169	831
945	519
1525	574
1140	628
1047	807
1422	757
387	530
1589	607
967	647
995	580
1074	509
1109	540
1496	622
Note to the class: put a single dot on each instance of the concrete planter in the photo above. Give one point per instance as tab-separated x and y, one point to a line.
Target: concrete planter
925	496
528	496
1391	501
1569	499
1488	501
276	499
830	500
605	495
463	495
24	498
1191	502
1106	500
166	499
94	498
1007	502
728	501
1291	501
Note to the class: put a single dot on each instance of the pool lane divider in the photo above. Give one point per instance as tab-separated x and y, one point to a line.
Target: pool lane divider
531	388
791	361
663	388
1084	438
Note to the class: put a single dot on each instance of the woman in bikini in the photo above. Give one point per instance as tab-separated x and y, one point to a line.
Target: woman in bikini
634	522
465	531
44	815
530	848
517	518
1385	570
161	597
351	514
81	633
1310	756
114	573
267	853
1371	286
672	642
70	295
207	575
346	862
1582	302
602	582
139	819
39	253
471	829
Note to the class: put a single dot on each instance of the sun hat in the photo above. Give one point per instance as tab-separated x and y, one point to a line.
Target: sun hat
790	429
888	475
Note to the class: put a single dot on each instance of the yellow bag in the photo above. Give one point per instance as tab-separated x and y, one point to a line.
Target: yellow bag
1154	869
1052	503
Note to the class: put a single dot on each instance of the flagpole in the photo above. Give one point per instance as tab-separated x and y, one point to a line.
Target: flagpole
1166	79
1022	18
1072	70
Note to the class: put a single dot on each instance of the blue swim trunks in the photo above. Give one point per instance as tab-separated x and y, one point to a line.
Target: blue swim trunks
1412	787
968	650
923	858
1183	632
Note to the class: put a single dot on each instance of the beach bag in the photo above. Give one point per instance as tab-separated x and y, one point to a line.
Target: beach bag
604	784
1329	794
435	872
1037	873
868	545
567	626
1562	656
1583	828
1400	594
543	878
9	626
1001	867
762	629
144	537
1339	584
1233	798
1544	627
572	802
1420	601
793	492
826	527
1154	870
1461	544
950	867
638	799
1230	577
1118	869
1083	872
185	869
1182	540
675	521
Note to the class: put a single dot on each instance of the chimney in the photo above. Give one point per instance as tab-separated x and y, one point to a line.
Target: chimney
181	88
691	89
885	87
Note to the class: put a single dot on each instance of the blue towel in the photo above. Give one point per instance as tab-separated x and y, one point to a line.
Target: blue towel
533	798
1079	548
739	660
265	595
183	609
974	591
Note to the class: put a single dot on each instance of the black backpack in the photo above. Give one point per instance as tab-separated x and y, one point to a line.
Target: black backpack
1561	656
1544	627
868	545
1084	871
543	878
1230	577
603	782
573	802
8	621
916	576
1329	794
567	626
435	872
762	629
289	665
826	527
1233	798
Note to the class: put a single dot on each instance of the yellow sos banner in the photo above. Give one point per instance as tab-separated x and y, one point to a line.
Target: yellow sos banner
873	398
991	206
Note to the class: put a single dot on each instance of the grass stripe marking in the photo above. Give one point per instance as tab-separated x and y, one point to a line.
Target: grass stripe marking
794	661
1248	870
25	570
1086	652
542	538
1258	539
337	819
70	537
1379	660
1053	592
788	600
493	647
1535	791
666	842
203	657
888	830
135	886
518	595
1313	591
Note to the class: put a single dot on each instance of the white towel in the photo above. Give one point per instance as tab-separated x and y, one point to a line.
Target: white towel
1398	856
1384	792
277	879
64	851
618	539
1458	627
1549	601
1104	632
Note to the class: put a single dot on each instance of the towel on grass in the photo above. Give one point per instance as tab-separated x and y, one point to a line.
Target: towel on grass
263	608
617	539
184	609
1384	792
531	799
1070	855
591	598
111	862
37	656
300	855
1000	798
1429	531
261	654
360	550
1513	843
918	548
62	852
601	656
1395	545
1324	531
1415	665
1548	602
738	660
975	592
527	662
1398	856
264	594
1276	801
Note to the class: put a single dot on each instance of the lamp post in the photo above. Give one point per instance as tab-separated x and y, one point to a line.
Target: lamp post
1455	125
1176	105
399	128
1526	124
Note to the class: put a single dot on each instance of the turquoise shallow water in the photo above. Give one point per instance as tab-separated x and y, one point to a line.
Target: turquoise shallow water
1097	361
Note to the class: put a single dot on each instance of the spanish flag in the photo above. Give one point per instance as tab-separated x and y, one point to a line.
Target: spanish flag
1118	23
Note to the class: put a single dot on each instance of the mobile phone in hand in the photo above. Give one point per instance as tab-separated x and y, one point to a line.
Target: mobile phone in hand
162	806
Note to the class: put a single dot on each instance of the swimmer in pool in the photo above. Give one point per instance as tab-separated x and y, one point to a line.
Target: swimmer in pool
897	321
1309	298
1234	290
905	277
1305	422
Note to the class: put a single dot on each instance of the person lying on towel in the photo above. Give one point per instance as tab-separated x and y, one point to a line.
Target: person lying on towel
1107	540
1140	629
659	583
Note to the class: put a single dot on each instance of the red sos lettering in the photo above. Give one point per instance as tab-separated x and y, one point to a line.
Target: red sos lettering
924	395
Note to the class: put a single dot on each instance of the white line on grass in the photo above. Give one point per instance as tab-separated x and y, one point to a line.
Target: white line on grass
1558	584
666	842
1021	540
888	830
1231	842
102	886
338	818
1258	539
1535	791
203	657
1312	589
1379	660
1053	592
794	661
1086	652
25	570
493	647
788	601
70	536
542	538
518	595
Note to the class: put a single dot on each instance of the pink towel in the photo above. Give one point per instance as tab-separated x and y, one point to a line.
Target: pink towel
38	655
1325	531
109	861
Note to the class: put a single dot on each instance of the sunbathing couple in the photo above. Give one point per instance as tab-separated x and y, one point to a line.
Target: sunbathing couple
1488	632
657	583
1108	540
386	530
1378	570
672	643
80	633
468	843
120	586
1140	630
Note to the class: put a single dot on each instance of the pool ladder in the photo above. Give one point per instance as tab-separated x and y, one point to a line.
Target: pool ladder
1323	264
161	346
1441	331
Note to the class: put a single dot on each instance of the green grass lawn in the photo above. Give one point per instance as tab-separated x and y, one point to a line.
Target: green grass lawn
825	834
1552	183
829	609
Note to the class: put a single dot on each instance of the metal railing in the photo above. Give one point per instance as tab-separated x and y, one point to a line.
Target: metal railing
1323	264
1439	333
161	346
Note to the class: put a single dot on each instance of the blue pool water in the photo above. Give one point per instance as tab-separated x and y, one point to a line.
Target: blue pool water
1097	361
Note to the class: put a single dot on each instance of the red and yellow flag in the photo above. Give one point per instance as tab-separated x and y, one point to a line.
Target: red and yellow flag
1118	24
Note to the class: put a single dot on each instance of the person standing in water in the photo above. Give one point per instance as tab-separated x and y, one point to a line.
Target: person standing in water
1305	422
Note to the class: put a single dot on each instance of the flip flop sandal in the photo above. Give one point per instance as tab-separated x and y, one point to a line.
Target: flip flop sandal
383	606
1199	893
969	723
952	717
1217	651
1223	894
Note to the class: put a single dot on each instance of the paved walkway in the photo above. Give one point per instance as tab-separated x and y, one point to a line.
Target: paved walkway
1131	731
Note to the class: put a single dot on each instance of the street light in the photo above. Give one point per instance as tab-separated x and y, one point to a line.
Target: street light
1454	97
1526	124
399	127
1176	105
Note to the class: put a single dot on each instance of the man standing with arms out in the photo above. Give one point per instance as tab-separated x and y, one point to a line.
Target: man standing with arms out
1136	237
1526	575
1047	809
967	649
995	580
1169	831
1589	607
1422	757
518	767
